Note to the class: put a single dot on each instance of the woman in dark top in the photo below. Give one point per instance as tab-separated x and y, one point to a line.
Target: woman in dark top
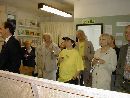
28	58
113	45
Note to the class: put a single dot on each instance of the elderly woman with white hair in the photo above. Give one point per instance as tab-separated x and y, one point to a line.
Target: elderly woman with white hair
104	63
47	58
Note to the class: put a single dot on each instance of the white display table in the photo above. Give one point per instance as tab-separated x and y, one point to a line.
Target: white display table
21	86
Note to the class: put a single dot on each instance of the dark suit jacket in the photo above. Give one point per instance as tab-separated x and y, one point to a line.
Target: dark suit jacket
10	56
30	59
117	53
120	67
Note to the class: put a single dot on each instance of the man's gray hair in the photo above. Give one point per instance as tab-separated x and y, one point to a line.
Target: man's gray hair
80	31
83	34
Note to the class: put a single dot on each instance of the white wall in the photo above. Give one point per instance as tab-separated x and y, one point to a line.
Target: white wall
56	19
98	8
21	13
2	13
57	29
2	19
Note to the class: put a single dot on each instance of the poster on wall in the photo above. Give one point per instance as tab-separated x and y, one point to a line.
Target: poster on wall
93	32
119	34
108	29
122	23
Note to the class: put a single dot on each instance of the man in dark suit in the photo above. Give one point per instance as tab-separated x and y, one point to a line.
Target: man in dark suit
123	66
10	56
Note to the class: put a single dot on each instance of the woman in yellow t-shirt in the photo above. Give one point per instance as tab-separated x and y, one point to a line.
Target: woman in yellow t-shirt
70	61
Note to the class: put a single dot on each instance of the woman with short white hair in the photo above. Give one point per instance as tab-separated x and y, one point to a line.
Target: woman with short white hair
104	63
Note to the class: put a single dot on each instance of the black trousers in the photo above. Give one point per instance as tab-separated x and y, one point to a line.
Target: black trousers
126	86
81	80
57	74
75	81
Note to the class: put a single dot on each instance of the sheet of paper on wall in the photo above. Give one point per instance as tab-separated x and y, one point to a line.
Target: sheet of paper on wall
108	29
122	23
125	42
119	42
119	34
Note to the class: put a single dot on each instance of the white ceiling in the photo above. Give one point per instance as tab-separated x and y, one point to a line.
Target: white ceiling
32	5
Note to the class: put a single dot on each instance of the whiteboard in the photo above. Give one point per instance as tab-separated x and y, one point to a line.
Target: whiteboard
93	32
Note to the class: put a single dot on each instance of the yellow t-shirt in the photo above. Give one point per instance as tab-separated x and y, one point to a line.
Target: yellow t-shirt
81	48
71	63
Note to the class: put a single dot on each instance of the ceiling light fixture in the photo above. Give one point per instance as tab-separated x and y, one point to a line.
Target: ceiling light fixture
50	9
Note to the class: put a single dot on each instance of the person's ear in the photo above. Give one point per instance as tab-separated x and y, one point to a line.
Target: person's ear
7	30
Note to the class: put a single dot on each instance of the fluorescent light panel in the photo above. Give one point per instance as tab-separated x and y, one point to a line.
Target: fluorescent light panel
55	11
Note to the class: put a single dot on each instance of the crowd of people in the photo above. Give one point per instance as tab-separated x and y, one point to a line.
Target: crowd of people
73	62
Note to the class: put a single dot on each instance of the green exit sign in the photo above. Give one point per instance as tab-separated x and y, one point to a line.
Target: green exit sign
88	21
